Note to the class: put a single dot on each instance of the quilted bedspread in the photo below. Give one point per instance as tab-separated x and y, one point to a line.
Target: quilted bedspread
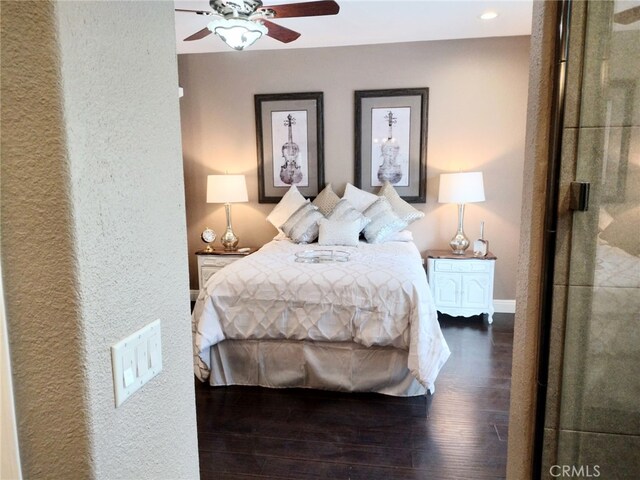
379	297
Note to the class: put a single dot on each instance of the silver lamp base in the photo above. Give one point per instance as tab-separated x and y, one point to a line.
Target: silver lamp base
229	240
459	243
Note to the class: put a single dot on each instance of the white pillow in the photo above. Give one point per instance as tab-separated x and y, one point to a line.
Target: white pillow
359	199
326	200
402	236
339	232
384	222
288	204
401	208
302	226
345	212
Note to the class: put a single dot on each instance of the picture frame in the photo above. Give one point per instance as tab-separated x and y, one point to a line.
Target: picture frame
290	142
391	141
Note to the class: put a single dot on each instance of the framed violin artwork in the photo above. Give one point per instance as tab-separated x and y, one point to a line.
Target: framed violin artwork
289	132
391	141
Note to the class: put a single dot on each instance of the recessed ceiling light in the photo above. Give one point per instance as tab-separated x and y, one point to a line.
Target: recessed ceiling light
488	15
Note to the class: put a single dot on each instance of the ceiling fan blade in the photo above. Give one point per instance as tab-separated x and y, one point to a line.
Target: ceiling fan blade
627	17
199	12
280	33
305	9
198	35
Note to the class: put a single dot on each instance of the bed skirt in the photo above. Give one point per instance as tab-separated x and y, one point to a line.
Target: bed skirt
338	366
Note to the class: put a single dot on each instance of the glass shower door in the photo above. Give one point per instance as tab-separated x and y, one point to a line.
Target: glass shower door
596	424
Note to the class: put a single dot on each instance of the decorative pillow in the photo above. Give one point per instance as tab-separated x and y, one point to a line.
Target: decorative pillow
326	200
339	232
359	199
401	208
289	203
343	211
402	236
383	221
302	226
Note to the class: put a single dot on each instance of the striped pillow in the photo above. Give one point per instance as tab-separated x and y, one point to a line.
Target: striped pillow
383	223
345	212
302	226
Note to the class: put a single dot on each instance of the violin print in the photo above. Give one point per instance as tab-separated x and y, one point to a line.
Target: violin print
289	143
389	152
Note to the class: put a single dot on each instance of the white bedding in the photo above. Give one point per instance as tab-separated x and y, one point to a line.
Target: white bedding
380	297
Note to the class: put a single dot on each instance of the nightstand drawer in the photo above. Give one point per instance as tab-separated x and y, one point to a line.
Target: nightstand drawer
463	266
218	261
211	262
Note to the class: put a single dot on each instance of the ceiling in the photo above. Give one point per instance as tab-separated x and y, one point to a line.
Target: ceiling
363	22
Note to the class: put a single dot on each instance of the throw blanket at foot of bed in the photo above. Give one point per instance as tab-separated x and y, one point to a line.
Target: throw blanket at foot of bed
379	298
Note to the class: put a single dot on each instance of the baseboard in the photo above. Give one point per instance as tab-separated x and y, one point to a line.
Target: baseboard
194	295
504	306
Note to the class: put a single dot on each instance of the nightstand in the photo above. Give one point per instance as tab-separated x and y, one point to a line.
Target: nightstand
461	285
210	262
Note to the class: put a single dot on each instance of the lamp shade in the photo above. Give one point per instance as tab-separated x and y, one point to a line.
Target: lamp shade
461	188
226	189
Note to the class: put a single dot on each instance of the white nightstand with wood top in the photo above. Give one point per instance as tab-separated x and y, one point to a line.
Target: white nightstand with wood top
211	262
461	285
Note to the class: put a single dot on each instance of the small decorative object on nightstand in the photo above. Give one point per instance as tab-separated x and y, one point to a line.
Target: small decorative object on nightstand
481	246
208	236
215	260
461	285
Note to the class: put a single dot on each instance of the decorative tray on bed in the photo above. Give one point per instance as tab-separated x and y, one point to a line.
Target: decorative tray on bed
322	256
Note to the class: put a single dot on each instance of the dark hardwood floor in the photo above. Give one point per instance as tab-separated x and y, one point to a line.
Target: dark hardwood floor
459	432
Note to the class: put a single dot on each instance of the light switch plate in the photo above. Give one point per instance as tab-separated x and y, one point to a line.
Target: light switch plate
136	360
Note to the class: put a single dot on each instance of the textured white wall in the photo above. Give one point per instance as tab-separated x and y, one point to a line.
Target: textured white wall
477	112
95	163
39	272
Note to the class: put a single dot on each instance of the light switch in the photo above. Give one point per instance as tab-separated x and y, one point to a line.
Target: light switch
128	377
142	358
155	352
128	365
136	360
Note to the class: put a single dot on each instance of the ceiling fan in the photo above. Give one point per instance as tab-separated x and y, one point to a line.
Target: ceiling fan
241	22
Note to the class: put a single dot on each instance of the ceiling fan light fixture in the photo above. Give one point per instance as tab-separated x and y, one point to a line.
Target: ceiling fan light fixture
238	33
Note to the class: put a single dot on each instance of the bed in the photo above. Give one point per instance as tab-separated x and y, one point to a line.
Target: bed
367	324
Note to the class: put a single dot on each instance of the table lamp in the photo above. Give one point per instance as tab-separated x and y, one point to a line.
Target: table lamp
460	188
227	189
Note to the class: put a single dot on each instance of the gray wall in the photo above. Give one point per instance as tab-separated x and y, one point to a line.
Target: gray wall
93	236
477	111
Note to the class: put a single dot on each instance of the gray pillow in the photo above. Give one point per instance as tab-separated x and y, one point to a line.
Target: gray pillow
302	225
345	212
339	232
383	223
